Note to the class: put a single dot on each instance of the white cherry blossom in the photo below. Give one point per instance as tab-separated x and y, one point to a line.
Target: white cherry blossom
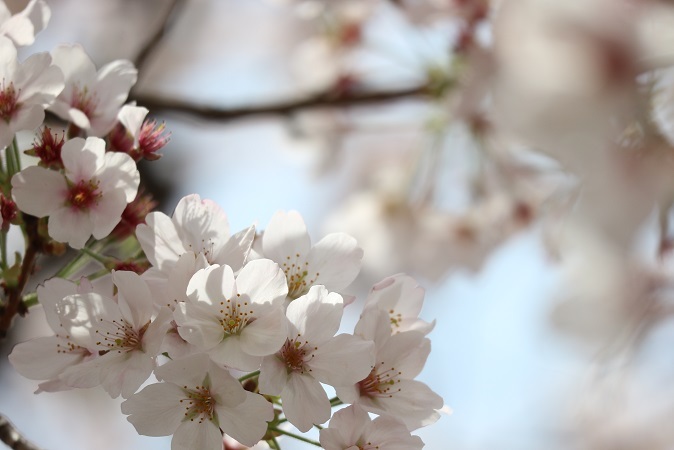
91	99
48	358
124	331
402	298
88	199
390	388
333	262
312	355
236	320
198	226
26	89
196	400
352	429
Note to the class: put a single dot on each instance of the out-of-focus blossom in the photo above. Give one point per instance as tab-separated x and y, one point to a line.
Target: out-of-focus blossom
22	27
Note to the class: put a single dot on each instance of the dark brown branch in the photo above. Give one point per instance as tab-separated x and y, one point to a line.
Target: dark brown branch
156	38
156	104
12	438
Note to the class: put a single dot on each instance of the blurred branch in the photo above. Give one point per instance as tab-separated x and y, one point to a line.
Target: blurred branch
155	103
12	437
156	38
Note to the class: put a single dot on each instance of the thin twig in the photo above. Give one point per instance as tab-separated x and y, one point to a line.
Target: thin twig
155	103
12	437
156	38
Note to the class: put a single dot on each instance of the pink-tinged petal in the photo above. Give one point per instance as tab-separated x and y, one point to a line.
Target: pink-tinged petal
263	281
76	116
23	27
273	375
335	261
106	213
28	117
191	435
132	117
198	324
83	375
349	425
248	422
53	291
286	237
353	355
414	403
75	64
43	82
86	317
317	314
392	433
71	226
8	57
266	334
44	358
229	353
133	297
407	352
188	371
212	285
120	173
374	325
124	372
160	241
156	410
82	158
156	332
305	403
38	191
115	80
237	248
202	225
399	292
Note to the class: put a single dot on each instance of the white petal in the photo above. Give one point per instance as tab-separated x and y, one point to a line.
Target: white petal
82	158
202	225
263	281
191	435
273	375
43	358
317	314
74	63
305	402
133	298
212	285
159	240
266	334
235	251
285	237
38	191
132	117
155	410
198	324
229	353
353	355
106	213
52	292
246	423
335	261
188	371
71	226
120	173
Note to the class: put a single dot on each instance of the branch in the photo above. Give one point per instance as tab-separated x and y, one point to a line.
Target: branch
12	437
156	38
156	103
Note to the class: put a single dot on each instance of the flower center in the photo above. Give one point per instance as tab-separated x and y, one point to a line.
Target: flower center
295	354
83	195
380	384
123	337
83	100
199	403
8	101
296	274
235	316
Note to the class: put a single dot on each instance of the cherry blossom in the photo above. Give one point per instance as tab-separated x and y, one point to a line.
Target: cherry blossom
333	262
197	400
198	226
26	89
401	297
237	321
352	428
125	332
310	356
48	358
22	27
91	100
88	199
390	387
137	136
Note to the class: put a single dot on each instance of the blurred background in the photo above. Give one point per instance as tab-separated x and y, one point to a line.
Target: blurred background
513	156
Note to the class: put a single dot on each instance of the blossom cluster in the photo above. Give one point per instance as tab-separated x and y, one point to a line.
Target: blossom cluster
203	332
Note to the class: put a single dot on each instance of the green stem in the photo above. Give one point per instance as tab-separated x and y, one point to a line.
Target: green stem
3	250
17	155
92	254
78	261
248	376
335	401
295	436
30	300
274	443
